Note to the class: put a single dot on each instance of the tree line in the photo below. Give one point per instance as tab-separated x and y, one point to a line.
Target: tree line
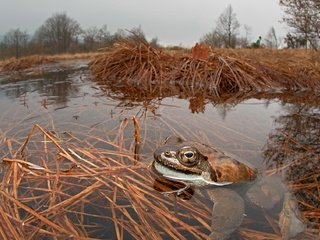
61	34
301	16
226	34
303	19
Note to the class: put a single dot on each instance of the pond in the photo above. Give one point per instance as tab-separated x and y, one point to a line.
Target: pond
111	192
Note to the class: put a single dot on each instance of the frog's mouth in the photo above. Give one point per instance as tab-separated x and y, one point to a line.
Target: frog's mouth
184	176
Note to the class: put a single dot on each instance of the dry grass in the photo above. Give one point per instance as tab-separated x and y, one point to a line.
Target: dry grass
13	64
54	188
293	68
65	185
225	71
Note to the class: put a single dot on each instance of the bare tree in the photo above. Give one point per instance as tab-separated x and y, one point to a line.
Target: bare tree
213	39
58	33
226	31
15	42
293	41
154	43
104	37
303	16
247	30
136	34
244	41
228	26
90	38
271	39
95	38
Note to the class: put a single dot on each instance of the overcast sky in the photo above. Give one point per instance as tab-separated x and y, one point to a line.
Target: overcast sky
172	21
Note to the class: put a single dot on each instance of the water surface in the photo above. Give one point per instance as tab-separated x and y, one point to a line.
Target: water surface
270	132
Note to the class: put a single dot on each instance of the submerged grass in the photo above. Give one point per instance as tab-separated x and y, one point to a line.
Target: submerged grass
219	71
85	187
54	188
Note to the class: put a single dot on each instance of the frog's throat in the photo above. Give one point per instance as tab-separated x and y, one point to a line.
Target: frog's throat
191	178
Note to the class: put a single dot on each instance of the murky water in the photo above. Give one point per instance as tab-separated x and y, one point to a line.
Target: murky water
279	132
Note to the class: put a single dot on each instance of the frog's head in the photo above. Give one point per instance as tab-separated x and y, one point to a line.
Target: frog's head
198	164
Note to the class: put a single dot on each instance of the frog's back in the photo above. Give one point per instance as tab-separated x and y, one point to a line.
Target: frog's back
226	167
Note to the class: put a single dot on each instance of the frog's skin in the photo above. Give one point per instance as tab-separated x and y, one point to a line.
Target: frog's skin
197	164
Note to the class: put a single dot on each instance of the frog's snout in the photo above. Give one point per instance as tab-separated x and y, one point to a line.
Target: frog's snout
169	154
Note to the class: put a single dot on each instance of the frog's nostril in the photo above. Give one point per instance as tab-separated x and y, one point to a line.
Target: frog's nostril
167	154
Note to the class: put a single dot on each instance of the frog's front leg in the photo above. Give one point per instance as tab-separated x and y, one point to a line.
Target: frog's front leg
227	213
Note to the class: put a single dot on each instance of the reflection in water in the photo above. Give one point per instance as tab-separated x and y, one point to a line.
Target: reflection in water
55	87
294	147
180	190
198	98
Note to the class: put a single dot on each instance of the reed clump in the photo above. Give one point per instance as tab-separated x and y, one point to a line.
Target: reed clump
140	64
144	66
131	63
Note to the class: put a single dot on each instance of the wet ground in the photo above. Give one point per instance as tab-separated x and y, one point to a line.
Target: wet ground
273	131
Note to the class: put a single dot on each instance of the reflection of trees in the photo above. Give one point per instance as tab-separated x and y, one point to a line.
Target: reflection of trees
150	96
294	147
197	104
297	136
53	84
198	96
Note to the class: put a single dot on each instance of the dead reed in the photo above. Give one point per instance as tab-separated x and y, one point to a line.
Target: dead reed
84	187
24	63
60	185
13	64
52	188
141	65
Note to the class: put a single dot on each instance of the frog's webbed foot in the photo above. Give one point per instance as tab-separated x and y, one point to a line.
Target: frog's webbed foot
227	212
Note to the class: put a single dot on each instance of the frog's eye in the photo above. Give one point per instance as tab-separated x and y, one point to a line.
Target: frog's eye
188	156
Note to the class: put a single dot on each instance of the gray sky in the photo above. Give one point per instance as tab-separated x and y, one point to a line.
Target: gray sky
172	21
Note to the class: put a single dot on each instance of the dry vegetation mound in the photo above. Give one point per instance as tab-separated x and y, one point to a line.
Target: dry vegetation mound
146	67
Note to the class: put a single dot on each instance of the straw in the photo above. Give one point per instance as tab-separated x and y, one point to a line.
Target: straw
138	65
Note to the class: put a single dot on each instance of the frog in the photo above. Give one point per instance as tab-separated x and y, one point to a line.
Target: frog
197	164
